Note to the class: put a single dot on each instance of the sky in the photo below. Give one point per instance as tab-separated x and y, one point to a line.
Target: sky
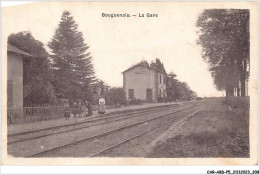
118	43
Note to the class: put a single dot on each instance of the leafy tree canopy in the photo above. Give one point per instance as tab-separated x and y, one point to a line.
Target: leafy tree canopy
177	90
224	38
37	74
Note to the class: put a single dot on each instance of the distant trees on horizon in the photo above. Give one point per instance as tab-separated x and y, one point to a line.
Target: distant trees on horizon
177	90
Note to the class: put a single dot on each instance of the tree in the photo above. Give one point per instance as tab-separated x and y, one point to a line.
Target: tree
177	90
192	95
100	88
115	96
171	83
224	37
225	78
73	68
37	74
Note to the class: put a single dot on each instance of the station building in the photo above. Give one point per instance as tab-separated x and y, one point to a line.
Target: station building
15	89
145	82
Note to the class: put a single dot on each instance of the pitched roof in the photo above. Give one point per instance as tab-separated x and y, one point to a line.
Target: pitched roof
11	48
161	70
139	64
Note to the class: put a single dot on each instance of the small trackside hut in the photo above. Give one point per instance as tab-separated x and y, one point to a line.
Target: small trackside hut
145	82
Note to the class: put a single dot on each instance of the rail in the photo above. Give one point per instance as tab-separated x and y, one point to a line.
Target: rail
104	133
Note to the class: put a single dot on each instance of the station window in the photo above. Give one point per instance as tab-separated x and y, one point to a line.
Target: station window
160	79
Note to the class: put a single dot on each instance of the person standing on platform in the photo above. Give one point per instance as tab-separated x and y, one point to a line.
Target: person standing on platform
67	112
88	106
101	107
75	109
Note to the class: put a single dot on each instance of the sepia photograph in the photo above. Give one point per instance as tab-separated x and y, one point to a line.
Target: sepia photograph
130	83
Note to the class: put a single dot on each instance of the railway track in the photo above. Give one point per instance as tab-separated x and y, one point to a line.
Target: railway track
39	133
99	153
114	132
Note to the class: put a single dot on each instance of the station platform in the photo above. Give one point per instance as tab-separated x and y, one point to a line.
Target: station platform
23	127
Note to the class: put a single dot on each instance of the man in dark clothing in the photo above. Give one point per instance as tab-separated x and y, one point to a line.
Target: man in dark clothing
67	112
75	108
88	106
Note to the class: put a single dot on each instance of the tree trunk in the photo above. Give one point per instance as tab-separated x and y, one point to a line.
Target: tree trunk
243	88
243	84
243	80
231	92
238	91
226	93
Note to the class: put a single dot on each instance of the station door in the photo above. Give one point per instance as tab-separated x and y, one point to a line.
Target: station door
149	95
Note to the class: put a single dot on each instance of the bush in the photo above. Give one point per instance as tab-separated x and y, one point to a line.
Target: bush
237	102
135	102
161	99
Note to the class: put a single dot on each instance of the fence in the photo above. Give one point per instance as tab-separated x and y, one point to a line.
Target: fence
31	114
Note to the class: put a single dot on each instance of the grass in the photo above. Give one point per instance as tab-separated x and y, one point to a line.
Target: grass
216	132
